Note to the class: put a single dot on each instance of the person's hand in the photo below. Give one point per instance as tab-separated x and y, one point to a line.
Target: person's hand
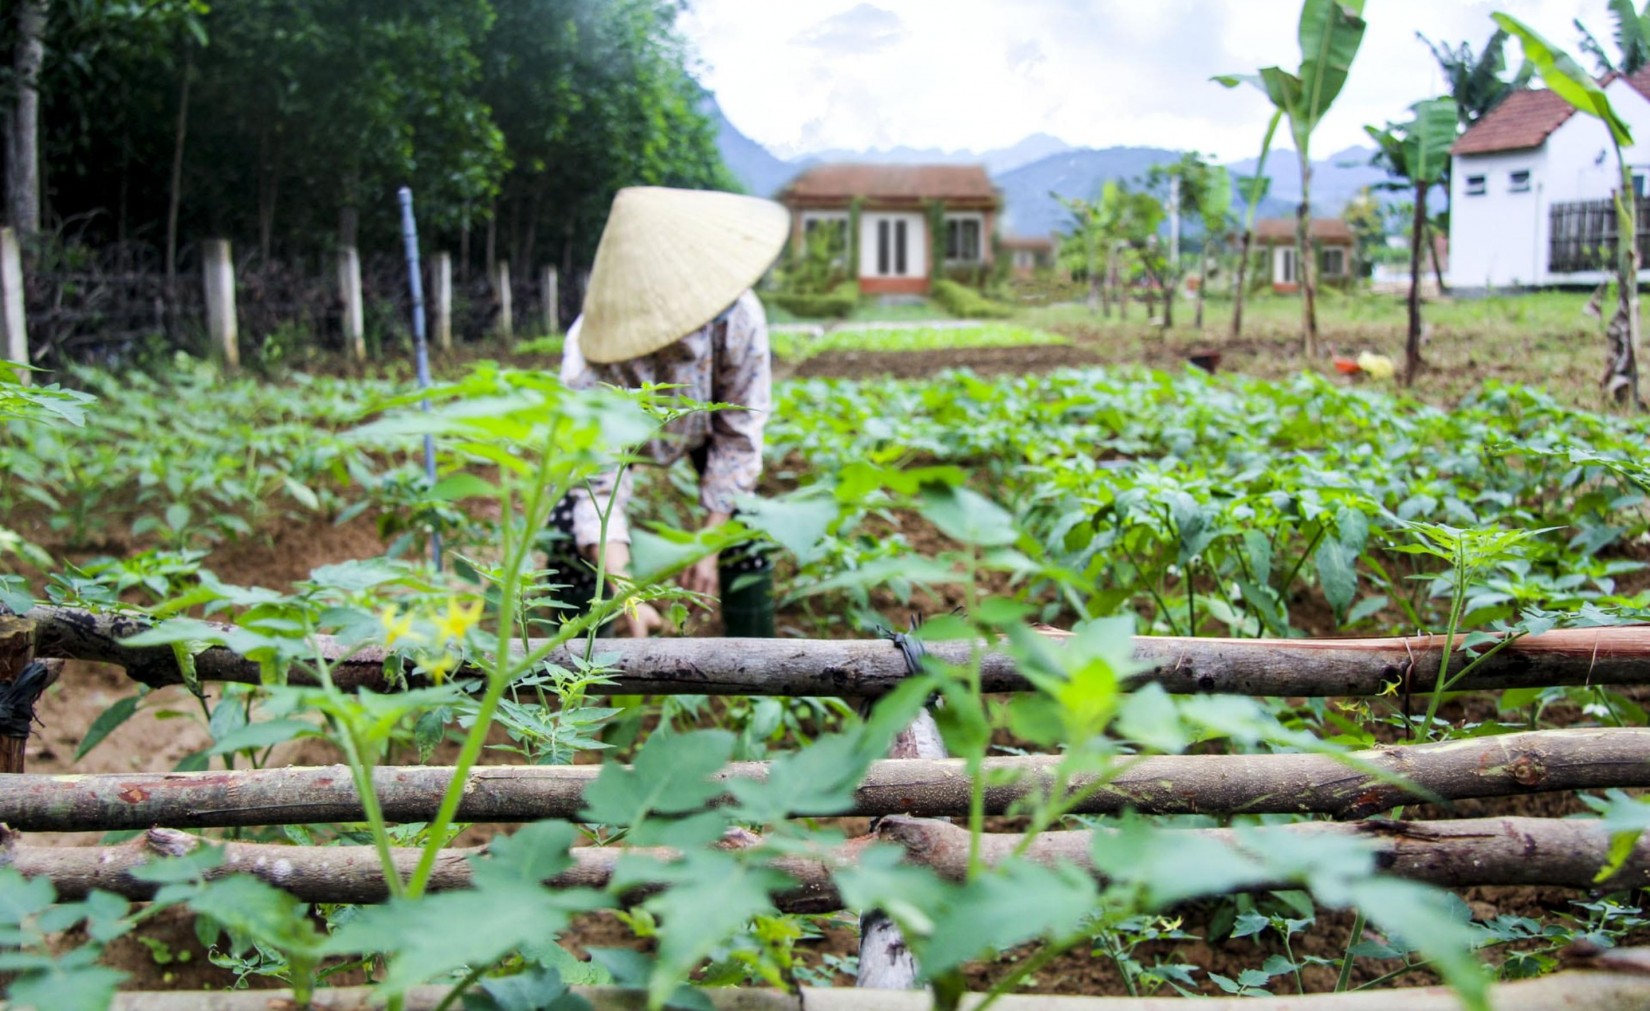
641	620
702	576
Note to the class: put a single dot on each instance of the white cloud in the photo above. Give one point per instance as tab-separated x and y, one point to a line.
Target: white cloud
859	30
805	75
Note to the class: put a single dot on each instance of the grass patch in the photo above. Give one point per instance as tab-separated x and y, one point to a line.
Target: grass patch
800	346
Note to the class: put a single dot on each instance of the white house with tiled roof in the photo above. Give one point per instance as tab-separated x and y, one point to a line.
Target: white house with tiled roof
891	209
1531	184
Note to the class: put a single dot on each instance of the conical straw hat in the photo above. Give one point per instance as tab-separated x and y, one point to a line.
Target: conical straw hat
671	260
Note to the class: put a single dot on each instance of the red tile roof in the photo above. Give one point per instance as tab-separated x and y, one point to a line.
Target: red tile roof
1522	121
1526	118
891	182
1334	230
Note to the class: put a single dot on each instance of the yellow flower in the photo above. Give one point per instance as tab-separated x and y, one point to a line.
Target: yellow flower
458	620
1378	366
395	628
439	666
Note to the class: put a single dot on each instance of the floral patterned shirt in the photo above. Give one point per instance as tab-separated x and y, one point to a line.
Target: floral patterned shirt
724	362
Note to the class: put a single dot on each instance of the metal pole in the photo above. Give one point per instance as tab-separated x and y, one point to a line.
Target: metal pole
409	233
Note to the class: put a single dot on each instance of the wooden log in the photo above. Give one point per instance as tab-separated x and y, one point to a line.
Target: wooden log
1508	765
870	667
1617	983
1459	853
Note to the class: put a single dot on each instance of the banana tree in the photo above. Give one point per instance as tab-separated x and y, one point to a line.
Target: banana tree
1254	191
1418	151
1566	78
1632	39
1330	33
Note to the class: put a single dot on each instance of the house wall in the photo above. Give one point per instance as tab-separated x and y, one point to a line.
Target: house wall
1499	239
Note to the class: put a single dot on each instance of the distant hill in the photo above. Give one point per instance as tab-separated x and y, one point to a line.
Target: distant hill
759	170
1031	172
1031	207
1007	159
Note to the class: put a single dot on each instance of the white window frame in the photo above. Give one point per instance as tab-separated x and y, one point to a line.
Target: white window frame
1475	186
1518	181
979	253
1340	256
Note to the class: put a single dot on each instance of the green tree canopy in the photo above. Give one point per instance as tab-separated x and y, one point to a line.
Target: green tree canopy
297	122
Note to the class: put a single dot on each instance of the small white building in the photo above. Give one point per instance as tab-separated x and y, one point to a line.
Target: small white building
1532	184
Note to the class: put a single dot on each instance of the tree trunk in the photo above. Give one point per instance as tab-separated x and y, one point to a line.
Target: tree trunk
1304	265
349	225
1432	251
1604	988
847	668
918	780
23	142
180	131
1097	298
1412	343
1241	280
491	250
1465	852
1621	373
1202	281
269	182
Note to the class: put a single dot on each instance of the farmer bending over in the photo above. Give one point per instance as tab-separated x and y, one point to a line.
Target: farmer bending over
670	302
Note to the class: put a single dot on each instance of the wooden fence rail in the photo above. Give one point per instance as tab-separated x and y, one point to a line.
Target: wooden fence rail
1453	853
1616	982
1356	785
858	668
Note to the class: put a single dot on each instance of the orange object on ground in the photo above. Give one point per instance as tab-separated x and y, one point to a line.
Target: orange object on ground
1347	366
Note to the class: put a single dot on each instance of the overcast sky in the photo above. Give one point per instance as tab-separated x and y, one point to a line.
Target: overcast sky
808	75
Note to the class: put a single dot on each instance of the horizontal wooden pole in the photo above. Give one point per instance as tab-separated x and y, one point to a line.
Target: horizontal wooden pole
855	668
1602	988
1511	764
1457	853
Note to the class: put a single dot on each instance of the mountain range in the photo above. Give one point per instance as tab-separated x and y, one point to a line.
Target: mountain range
1035	172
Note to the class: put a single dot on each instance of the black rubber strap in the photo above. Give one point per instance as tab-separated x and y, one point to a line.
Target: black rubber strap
18	698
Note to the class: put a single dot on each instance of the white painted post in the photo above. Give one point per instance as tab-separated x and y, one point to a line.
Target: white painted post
349	285
552	303
442	265
501	287
219	268
11	293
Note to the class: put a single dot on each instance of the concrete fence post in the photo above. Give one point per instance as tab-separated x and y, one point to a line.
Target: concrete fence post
221	324
441	265
349	286
501	288
552	302
12	318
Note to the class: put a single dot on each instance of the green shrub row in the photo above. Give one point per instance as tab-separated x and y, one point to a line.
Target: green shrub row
966	303
836	305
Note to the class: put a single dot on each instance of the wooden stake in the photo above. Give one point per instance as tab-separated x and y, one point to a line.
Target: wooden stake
441	266
218	268
349	289
16	653
12	322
